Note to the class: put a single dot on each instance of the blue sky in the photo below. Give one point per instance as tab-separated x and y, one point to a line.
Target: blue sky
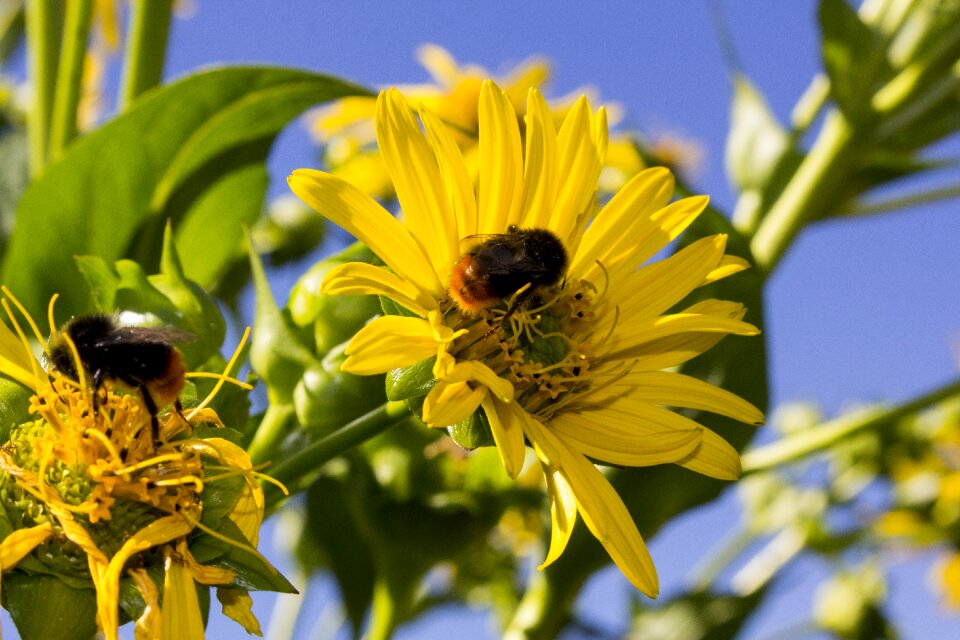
858	310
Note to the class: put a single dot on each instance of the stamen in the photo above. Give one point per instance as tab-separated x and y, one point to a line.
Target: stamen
26	315
34	365
197	482
226	372
54	332
150	462
219	376
105	441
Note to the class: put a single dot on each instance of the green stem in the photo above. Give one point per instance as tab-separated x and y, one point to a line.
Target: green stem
735	544
43	48
383	612
337	443
811	441
146	48
270	432
807	193
70	74
905	202
544	609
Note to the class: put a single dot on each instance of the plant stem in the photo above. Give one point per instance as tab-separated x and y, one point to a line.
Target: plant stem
63	127
337	443
270	431
43	48
146	48
806	194
799	446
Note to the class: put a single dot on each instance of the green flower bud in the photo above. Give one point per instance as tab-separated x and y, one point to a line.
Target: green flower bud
334	318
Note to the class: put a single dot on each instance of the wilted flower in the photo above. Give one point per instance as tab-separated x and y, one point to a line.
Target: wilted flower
99	499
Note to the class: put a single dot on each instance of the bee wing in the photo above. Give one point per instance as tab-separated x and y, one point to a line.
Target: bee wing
468	243
151	335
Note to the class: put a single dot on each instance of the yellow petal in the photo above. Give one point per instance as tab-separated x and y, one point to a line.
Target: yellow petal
658	286
150	623
345	112
108	588
601	508
501	162
713	457
387	343
416	177
631	335
181	615
622	218
677	349
506	425
449	370
21	542
578	171
540	171
451	402
439	63
360	278
631	441
348	207
647	238
678	390
238	606
563	513
728	266
459	186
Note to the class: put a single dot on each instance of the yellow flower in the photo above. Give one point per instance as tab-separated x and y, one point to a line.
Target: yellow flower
573	368
346	126
96	489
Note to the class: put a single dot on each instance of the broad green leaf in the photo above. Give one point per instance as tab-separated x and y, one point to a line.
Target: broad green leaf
332	526
253	572
44	607
172	156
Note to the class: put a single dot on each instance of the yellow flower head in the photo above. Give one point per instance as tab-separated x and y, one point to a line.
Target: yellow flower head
567	354
89	484
346	127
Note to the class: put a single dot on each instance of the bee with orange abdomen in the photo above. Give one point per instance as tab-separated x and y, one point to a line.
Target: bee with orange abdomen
142	358
503	264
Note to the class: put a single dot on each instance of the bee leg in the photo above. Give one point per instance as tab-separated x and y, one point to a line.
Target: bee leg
97	381
152	409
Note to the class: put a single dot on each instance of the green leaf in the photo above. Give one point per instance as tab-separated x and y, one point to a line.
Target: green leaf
277	353
253	571
854	57
14	406
14	175
43	607
756	141
332	525
761	155
414	381
155	162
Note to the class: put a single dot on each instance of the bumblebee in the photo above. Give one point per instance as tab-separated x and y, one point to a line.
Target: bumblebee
503	264
142	358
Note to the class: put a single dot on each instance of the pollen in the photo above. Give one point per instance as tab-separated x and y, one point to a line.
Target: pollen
541	345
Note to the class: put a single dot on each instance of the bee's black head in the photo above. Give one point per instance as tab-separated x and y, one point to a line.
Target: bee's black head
84	331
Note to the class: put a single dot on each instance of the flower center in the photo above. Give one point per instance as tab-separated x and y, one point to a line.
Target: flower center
537	344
